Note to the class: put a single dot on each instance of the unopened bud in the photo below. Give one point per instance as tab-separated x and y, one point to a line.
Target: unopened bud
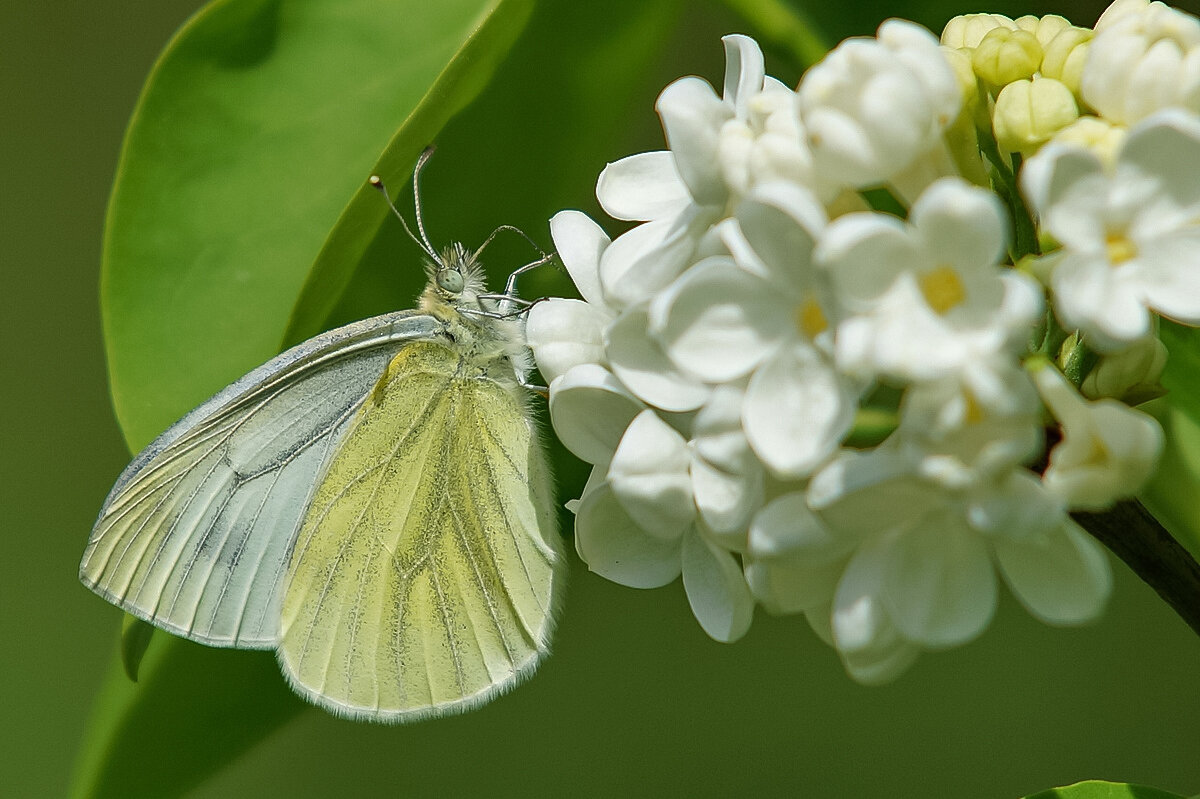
1004	56
1131	375
1028	113
1098	135
1043	28
1064	55
967	30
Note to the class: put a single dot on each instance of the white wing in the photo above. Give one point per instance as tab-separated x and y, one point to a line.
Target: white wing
196	535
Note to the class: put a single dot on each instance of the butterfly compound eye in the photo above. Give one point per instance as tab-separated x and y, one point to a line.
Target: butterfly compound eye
450	280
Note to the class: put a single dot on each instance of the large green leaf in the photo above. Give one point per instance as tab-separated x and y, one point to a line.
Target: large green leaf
1173	491
1097	789
260	121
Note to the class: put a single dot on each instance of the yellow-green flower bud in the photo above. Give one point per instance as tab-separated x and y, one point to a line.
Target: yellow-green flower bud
1004	56
1119	9
1029	112
1044	28
960	135
1098	135
968	30
1131	375
1064	56
960	62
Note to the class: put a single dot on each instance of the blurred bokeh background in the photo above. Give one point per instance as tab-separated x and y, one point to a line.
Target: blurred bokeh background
635	700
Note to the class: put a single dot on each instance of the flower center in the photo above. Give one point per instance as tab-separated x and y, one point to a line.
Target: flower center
942	288
810	319
1120	248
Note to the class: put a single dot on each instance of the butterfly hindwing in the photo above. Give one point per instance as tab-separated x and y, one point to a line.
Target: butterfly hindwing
423	578
197	533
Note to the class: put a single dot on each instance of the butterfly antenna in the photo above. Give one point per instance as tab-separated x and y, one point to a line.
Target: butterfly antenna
425	156
377	182
516	230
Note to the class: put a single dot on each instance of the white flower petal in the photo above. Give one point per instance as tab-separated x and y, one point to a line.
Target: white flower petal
744	71
642	365
1062	577
718	321
565	333
1090	295
613	546
649	476
863	493
781	222
863	254
786	528
1167	146
589	410
716	589
692	116
790	585
964	225
882	663
726	499
871	647
580	242
642	187
1065	185
717	434
1168	277
797	411
940	586
647	258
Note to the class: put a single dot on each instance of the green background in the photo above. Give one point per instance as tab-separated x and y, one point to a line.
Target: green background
635	698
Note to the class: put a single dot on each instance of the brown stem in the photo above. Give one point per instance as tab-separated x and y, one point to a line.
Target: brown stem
1137	538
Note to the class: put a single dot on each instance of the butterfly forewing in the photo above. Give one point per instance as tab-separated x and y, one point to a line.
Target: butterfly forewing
197	533
423	578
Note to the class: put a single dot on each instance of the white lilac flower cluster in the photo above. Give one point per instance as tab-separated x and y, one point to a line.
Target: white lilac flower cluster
793	400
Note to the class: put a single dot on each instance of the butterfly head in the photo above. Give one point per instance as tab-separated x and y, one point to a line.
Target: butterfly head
456	277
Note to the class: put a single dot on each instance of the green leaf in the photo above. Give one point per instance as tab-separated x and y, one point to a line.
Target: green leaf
135	639
1171	495
194	709
1097	789
259	123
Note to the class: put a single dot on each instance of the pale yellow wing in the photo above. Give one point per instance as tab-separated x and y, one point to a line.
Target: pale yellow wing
196	535
425	573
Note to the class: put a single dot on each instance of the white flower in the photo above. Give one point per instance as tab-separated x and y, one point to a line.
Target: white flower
793	561
719	146
924	297
1144	57
931	514
1108	449
1131	242
874	110
637	526
761	317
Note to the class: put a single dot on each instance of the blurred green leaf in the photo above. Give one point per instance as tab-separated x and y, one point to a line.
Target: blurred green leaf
1097	789
260	121
1171	493
194	709
135	638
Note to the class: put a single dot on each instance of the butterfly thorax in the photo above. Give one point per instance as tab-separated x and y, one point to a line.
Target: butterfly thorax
492	347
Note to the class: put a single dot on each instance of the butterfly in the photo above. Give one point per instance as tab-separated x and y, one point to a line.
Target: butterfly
373	504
